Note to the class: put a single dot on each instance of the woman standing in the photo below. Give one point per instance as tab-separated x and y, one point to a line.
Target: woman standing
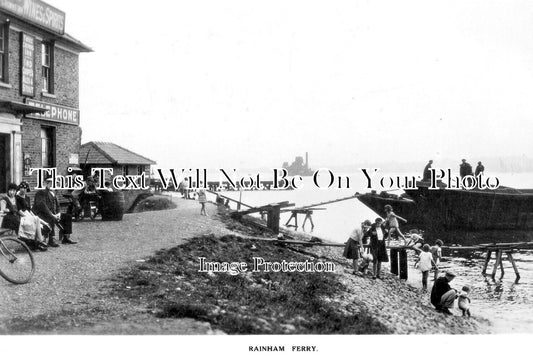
202	199
354	245
377	246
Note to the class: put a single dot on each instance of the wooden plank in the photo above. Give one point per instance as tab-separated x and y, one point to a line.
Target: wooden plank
228	198
301	211
329	202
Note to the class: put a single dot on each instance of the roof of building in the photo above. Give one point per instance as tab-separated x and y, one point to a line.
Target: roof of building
96	152
77	44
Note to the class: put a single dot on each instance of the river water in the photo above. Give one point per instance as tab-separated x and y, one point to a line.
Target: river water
506	303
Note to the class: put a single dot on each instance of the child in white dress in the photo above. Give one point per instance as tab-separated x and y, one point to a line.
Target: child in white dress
424	264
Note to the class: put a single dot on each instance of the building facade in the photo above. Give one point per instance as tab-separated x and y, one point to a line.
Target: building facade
39	91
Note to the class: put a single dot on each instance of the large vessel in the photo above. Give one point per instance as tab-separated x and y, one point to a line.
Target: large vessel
456	209
299	167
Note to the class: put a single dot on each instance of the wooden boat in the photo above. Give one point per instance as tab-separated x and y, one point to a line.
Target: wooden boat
457	209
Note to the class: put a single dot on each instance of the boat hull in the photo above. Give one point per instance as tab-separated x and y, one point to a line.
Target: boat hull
447	209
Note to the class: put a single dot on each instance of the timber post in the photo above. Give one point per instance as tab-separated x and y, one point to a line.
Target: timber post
511	258
404	270
394	261
485	265
498	263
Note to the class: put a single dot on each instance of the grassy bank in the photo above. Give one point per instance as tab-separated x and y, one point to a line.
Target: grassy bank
246	303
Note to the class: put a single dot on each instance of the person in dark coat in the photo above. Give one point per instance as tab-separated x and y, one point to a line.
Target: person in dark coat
378	249
465	169
47	207
8	208
479	169
442	295
427	173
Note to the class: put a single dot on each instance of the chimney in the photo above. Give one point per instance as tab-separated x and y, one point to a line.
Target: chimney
306	160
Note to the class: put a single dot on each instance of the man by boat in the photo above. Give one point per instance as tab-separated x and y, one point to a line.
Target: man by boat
465	169
427	173
479	169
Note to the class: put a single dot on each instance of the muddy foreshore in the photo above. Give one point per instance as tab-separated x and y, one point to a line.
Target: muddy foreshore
165	293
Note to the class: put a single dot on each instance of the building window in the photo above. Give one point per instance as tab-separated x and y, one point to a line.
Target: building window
4	52
140	170
47	147
47	55
125	170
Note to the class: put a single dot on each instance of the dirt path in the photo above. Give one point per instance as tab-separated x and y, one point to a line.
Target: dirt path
73	277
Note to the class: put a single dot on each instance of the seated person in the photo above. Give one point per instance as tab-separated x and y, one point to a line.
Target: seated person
46	207
19	218
89	194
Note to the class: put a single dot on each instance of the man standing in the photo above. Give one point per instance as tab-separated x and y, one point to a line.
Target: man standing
480	168
442	295
427	173
465	169
47	207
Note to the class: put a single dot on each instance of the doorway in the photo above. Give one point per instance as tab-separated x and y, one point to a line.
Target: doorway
5	160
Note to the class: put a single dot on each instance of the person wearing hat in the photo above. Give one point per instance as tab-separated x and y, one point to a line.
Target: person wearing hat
30	224
465	169
427	171
442	295
47	208
354	245
479	169
8	209
378	249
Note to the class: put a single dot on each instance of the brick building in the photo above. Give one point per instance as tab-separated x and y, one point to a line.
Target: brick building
39	91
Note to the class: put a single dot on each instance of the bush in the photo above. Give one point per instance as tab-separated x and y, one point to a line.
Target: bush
154	203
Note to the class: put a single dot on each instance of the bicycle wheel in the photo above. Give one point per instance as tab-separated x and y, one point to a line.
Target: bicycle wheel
16	261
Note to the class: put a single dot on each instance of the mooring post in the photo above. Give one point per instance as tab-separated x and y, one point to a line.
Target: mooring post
510	256
497	263
487	259
394	260
273	219
404	270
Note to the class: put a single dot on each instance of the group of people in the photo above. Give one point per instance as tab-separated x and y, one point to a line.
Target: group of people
367	245
465	169
35	223
369	242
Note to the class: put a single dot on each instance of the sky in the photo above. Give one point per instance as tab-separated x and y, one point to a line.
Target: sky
231	84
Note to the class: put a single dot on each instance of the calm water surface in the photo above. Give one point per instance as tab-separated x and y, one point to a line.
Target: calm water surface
505	303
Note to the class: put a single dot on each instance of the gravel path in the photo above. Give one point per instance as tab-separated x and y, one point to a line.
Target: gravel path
73	275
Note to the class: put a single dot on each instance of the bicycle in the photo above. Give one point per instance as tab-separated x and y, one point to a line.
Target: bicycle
16	259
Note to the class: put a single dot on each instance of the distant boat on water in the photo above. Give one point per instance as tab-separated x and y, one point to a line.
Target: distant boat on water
450	209
299	167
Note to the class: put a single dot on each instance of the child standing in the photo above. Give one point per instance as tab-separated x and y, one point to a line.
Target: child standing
392	222
436	251
464	301
425	263
202	199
